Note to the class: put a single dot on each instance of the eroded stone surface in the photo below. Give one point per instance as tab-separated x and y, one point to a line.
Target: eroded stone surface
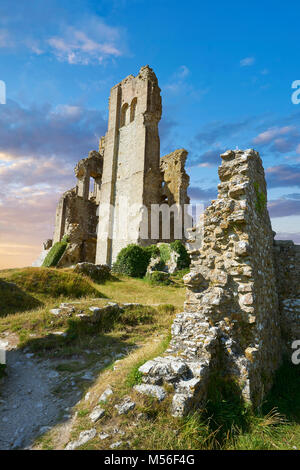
231	319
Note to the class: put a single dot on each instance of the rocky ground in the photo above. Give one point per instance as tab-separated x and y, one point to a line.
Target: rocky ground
29	404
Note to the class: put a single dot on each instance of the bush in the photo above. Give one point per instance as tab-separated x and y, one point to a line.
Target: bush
132	261
55	253
54	283
159	278
184	259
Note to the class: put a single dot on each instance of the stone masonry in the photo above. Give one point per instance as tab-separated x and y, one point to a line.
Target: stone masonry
231	319
126	169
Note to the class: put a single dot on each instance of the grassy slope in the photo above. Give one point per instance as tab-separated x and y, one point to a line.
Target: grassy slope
223	424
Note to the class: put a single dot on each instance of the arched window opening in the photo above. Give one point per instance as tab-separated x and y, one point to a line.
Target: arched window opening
124	113
133	109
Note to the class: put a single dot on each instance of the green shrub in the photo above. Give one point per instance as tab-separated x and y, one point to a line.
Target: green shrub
53	282
159	278
132	261
55	253
184	259
152	251
165	252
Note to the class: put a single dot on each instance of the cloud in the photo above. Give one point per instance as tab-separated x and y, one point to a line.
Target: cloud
247	61
199	194
5	39
76	47
216	130
88	41
283	176
283	207
294	236
207	159
45	131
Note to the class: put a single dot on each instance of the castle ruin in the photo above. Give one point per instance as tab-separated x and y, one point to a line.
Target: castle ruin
243	293
130	181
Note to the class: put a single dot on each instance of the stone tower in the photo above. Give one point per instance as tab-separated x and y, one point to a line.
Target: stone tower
131	176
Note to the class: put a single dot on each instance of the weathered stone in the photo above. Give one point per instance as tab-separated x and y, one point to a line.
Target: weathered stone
84	437
125	406
96	414
151	390
231	287
107	392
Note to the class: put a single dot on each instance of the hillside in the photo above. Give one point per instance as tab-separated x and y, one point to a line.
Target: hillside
61	362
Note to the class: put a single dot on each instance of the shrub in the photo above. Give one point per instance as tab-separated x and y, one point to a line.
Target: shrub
165	252
184	259
54	283
159	278
132	261
55	253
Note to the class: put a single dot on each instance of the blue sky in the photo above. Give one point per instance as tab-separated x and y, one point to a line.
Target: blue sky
225	70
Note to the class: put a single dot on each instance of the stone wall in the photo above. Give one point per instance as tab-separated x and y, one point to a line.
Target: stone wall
230	321
131	173
287	258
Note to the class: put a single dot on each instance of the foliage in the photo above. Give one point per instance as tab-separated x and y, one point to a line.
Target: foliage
54	283
132	261
184	259
55	253
261	199
165	252
158	278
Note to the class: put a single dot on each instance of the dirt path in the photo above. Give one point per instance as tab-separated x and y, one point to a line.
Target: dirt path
28	406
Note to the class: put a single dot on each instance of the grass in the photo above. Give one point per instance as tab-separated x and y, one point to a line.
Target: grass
54	283
141	333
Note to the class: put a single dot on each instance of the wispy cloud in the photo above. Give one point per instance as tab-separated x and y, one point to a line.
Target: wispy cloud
75	46
88	41
247	61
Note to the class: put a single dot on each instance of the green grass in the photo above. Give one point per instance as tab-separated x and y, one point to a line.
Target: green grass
55	253
14	299
53	282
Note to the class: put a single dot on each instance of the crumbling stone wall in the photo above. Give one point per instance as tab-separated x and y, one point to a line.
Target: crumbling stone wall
230	321
76	214
287	258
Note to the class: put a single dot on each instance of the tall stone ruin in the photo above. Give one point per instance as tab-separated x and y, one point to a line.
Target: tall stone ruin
129	179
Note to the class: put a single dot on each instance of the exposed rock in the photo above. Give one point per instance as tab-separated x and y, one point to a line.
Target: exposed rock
96	414
97	272
84	437
107	392
125	406
151	390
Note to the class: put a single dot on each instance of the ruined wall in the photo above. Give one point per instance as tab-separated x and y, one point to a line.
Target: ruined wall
287	258
230	321
76	213
131	162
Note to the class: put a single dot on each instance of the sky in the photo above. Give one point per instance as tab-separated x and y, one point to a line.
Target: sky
226	71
